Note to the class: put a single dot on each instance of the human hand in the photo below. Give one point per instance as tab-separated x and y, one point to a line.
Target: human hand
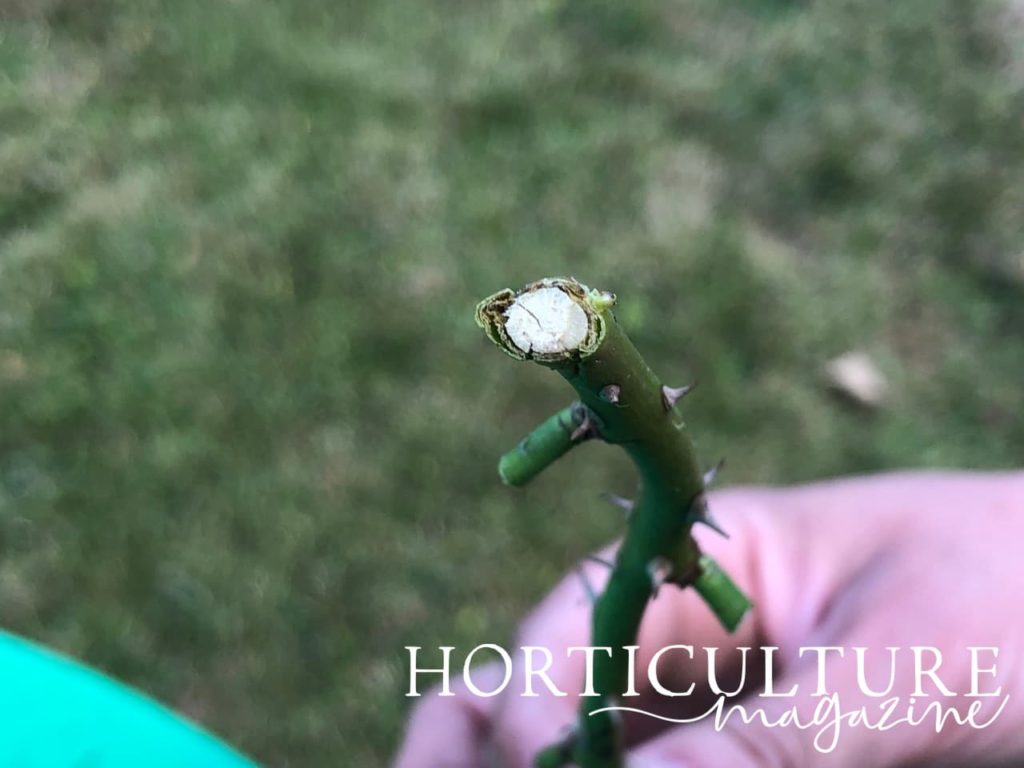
914	559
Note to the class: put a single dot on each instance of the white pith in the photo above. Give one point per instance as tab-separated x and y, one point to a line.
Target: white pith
546	321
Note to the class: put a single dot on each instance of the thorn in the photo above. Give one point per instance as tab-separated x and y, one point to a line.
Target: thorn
610	394
711	523
626	505
659	570
711	474
587	586
600	561
701	514
671	395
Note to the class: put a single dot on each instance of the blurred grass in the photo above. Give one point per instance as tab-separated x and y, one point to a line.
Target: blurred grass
248	431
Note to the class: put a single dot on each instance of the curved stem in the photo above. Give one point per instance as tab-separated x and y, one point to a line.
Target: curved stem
638	413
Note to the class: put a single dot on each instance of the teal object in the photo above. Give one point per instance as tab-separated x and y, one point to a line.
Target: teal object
56	713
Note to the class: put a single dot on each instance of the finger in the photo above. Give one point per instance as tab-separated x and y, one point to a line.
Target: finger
792	551
822	576
775	553
451	731
782	553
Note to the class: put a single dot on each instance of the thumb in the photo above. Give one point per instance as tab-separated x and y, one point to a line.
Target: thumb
797	577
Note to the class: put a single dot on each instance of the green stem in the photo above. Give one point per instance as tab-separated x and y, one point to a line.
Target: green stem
546	444
724	598
632	409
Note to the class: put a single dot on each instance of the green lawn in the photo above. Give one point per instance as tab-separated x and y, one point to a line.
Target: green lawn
248	430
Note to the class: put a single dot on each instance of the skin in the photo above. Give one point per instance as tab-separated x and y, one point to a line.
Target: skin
925	559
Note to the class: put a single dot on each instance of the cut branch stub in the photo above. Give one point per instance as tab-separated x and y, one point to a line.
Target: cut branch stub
546	444
727	601
565	326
